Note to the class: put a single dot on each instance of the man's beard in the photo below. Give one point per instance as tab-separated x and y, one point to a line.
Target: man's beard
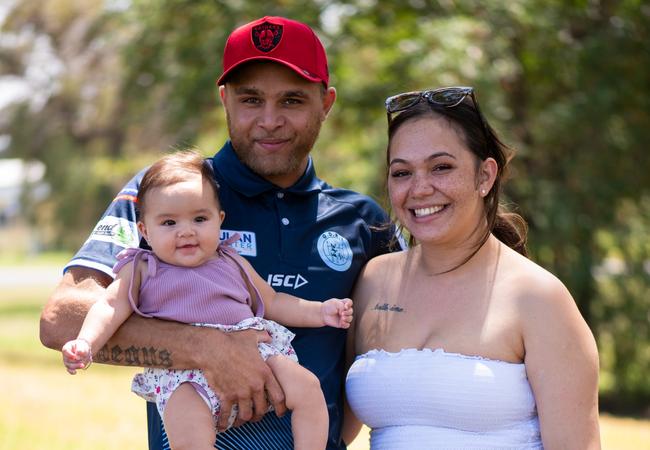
274	165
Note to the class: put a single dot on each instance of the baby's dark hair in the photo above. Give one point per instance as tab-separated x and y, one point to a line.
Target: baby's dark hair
174	168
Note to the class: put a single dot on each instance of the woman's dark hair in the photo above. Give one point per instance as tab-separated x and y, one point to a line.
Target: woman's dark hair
510	228
175	168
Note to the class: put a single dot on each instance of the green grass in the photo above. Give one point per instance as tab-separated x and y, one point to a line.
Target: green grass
45	408
57	259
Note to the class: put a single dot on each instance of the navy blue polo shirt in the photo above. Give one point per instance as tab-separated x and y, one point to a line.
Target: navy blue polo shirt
310	240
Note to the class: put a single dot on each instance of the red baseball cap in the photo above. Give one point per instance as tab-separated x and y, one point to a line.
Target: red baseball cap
277	39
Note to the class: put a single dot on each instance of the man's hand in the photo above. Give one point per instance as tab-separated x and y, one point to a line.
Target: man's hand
239	376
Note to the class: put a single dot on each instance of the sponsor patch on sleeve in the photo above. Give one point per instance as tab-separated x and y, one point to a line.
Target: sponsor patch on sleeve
117	231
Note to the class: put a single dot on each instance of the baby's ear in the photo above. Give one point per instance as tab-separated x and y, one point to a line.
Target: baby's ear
143	230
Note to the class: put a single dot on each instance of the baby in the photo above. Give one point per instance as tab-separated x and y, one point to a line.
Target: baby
190	276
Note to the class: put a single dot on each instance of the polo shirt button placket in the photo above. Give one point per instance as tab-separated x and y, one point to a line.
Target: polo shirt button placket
284	220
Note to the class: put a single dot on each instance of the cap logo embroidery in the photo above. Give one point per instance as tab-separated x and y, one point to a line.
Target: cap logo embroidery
266	36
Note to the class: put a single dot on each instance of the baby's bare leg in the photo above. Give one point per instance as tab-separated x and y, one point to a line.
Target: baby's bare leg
188	420
304	397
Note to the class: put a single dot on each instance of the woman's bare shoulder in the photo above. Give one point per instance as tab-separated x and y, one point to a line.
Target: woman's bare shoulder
544	303
380	265
376	273
528	281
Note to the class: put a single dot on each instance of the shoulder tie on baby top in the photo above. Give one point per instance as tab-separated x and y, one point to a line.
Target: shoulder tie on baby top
226	245
136	254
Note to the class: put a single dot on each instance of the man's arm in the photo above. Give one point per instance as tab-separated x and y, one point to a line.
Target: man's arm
230	361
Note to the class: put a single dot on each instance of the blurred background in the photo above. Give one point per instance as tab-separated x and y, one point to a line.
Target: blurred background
92	91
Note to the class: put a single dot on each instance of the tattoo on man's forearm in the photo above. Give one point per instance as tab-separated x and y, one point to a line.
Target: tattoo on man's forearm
151	356
134	356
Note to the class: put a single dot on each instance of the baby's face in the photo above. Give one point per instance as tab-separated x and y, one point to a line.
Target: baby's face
182	222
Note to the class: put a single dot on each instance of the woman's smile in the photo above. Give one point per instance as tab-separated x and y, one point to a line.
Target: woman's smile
427	211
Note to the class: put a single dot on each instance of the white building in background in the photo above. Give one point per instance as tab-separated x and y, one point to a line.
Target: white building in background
16	177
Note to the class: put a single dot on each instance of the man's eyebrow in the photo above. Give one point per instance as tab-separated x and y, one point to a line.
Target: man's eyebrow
295	93
246	90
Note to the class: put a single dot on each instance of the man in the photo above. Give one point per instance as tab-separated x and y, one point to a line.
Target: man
304	236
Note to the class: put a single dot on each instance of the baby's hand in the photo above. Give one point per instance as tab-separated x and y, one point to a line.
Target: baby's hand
77	354
337	312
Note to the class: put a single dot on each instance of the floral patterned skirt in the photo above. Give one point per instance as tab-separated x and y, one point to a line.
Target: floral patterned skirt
157	385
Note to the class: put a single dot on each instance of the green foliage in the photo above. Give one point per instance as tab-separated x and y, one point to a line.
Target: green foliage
622	306
564	82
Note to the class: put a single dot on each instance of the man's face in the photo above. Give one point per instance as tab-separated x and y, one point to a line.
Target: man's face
274	117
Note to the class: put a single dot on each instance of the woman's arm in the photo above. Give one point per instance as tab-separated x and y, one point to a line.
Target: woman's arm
562	365
351	425
297	312
365	289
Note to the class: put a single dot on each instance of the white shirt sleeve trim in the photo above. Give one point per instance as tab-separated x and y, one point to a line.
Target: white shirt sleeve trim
91	265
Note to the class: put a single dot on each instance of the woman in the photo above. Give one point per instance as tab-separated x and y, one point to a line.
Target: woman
462	341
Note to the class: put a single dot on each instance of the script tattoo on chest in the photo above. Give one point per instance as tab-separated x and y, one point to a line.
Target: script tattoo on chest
388	308
134	356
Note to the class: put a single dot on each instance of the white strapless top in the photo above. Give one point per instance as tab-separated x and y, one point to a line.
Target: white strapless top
430	399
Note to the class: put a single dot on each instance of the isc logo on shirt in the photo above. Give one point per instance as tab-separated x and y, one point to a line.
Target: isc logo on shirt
291	281
246	245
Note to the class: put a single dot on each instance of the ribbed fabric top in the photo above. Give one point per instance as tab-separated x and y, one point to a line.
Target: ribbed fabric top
430	399
214	292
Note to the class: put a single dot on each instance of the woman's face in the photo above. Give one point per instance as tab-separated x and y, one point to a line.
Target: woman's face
436	185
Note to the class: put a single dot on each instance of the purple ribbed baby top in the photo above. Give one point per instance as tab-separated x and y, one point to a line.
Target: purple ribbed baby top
215	292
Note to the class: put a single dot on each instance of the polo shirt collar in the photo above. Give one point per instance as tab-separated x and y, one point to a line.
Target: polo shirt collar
244	180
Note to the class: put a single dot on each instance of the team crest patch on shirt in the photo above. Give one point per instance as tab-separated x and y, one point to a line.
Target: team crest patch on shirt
266	36
335	251
116	230
246	245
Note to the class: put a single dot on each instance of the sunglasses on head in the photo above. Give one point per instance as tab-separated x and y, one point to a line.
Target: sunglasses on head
446	97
